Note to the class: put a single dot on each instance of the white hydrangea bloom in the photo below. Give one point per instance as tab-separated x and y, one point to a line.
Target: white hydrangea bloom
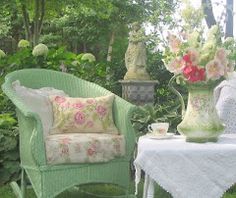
40	50
89	57
23	43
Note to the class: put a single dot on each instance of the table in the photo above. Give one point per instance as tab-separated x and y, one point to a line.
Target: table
187	170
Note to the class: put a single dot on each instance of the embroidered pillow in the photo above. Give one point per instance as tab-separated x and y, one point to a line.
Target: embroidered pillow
83	115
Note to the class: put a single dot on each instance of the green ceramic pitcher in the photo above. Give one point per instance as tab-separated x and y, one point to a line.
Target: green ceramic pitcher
200	121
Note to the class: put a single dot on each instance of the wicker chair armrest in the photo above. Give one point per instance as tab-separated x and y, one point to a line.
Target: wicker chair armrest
36	140
123	111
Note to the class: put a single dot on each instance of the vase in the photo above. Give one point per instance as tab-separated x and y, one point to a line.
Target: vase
201	122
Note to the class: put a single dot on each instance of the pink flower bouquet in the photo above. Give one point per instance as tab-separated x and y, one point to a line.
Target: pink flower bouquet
196	60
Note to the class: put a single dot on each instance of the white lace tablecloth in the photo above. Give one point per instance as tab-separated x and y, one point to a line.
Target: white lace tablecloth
225	98
187	170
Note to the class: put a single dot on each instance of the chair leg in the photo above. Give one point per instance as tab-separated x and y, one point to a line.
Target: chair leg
16	189
19	191
23	183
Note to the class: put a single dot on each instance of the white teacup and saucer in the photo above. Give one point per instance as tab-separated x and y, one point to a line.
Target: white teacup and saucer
159	130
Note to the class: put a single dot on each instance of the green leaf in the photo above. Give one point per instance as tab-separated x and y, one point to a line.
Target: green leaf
7	120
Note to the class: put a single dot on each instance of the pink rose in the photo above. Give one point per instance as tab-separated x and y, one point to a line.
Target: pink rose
90	101
65	140
59	99
79	118
91	151
89	124
101	110
78	105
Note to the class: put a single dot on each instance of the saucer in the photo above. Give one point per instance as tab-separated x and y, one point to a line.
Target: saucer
159	137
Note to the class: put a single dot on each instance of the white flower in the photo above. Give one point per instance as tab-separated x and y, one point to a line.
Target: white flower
208	51
176	66
40	50
221	55
215	69
174	42
89	57
23	43
193	39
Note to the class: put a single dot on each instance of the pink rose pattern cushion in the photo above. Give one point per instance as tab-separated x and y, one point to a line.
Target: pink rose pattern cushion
83	115
84	148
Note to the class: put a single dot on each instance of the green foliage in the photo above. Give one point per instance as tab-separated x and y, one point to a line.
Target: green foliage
192	17
2	54
143	116
9	156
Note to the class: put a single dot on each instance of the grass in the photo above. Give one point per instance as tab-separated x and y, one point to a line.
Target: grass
101	191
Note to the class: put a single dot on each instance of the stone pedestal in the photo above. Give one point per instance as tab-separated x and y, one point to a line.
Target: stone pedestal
138	92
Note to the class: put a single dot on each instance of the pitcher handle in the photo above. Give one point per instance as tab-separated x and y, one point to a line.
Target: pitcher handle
175	91
150	128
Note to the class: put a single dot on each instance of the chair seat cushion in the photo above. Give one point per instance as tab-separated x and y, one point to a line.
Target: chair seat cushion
83	147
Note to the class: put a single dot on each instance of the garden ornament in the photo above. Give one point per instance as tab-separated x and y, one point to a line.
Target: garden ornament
135	56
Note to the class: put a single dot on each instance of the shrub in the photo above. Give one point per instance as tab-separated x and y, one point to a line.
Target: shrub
143	116
9	155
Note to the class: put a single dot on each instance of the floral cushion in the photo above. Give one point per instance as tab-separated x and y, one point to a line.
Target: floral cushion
83	147
83	115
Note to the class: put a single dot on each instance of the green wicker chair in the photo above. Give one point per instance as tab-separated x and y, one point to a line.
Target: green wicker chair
50	180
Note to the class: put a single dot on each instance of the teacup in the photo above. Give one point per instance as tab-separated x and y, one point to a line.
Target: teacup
160	128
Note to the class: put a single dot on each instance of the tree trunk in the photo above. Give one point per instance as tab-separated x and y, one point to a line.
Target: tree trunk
110	47
229	19
75	46
33	29
84	48
26	22
208	12
36	22
16	28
